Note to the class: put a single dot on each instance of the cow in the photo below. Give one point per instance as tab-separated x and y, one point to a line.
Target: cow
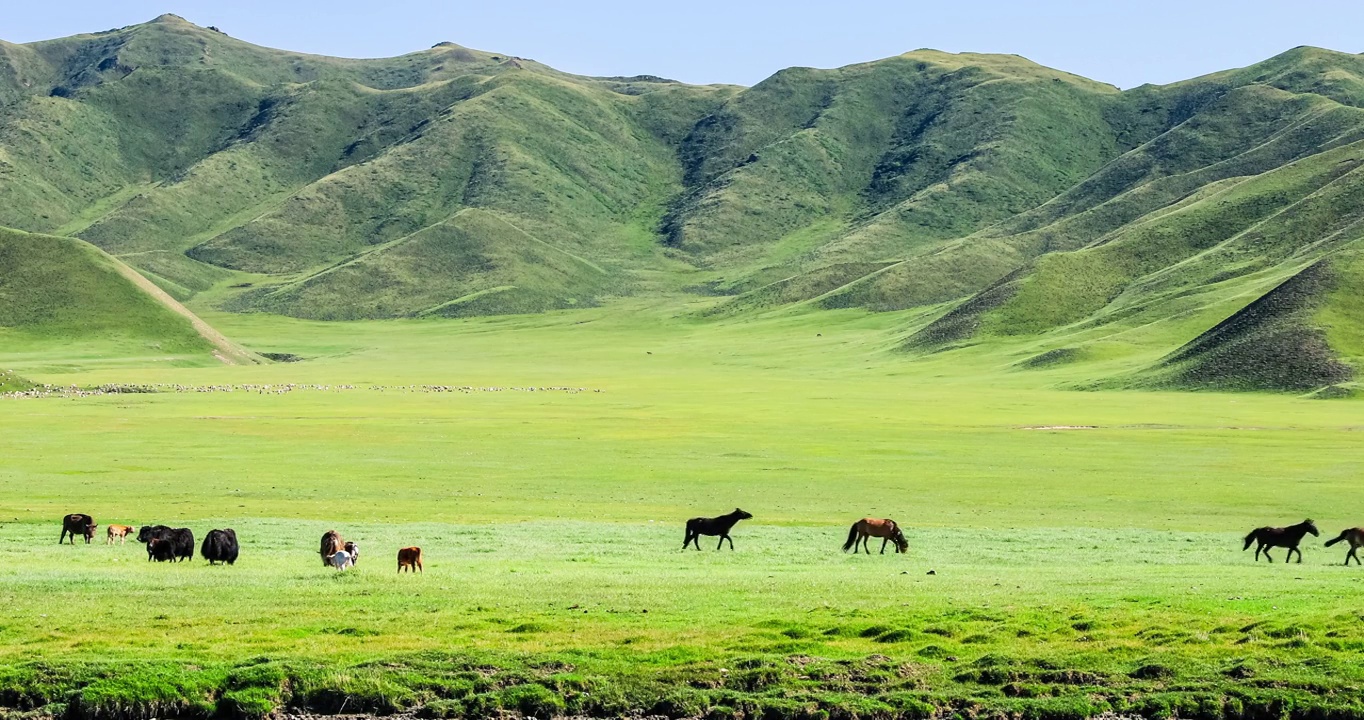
77	523
410	558
117	532
220	546
331	544
341	560
160	550
181	539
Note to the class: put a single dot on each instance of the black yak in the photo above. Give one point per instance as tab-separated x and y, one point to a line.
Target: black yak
160	550
220	546
181	540
77	523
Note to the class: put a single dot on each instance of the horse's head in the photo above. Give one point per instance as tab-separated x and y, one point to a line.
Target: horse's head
1311	527
901	544
741	514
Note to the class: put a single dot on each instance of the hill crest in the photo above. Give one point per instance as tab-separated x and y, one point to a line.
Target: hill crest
1006	199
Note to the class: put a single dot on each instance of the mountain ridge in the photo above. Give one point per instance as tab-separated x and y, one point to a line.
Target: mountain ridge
1010	199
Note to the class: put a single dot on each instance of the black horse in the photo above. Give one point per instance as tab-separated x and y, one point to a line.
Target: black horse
1287	537
696	527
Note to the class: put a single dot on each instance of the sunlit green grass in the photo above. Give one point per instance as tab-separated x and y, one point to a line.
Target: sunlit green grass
552	521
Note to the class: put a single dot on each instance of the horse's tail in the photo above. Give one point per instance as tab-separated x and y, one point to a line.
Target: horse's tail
1250	539
1344	535
852	537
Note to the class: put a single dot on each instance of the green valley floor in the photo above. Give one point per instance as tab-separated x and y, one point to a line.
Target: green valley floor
1071	553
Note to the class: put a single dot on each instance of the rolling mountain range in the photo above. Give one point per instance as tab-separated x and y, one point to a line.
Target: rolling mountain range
1217	219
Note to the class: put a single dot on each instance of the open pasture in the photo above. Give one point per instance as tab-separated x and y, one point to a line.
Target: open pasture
1075	570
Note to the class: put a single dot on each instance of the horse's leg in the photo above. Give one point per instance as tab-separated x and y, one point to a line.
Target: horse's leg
866	544
1354	553
721	543
883	545
1298	550
1267	557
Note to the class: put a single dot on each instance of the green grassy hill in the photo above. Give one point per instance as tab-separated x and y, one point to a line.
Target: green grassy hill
10	382
62	292
1020	206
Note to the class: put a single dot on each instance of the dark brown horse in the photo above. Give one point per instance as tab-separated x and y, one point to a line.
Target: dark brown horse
873	527
1286	537
1354	536
696	527
77	523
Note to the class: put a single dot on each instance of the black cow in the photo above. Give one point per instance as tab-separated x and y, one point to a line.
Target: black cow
78	523
160	550
220	546
181	540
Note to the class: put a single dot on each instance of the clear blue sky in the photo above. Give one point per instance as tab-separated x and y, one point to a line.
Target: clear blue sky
1123	43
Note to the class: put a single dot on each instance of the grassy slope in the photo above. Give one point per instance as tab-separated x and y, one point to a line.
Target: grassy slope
59	293
10	382
1183	231
329	188
907	151
1076	571
454	182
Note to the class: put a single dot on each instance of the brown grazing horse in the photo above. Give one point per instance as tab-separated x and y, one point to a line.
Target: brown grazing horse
696	527
872	527
1354	536
77	523
410	558
1287	537
331	545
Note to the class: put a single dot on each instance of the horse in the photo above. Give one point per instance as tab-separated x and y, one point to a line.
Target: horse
696	527
331	545
1354	536
77	523
1288	537
410	558
872	527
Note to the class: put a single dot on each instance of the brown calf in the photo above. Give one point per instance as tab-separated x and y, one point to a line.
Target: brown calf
410	558
117	532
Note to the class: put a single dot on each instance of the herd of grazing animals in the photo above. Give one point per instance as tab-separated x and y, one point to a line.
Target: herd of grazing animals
166	544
